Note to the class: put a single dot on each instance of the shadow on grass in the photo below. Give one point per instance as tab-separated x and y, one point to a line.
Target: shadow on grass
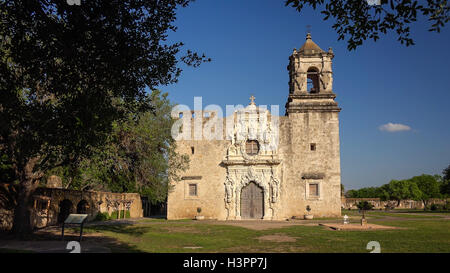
423	211
92	237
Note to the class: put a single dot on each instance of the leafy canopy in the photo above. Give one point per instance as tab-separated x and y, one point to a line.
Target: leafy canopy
65	68
139	155
69	73
357	20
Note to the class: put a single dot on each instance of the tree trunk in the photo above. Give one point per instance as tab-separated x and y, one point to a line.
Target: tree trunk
23	211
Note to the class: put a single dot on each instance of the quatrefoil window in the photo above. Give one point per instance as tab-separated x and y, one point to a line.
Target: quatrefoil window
252	147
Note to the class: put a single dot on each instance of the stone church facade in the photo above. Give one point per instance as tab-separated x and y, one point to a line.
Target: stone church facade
268	167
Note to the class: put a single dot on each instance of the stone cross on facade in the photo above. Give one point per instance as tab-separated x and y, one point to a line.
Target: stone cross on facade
252	100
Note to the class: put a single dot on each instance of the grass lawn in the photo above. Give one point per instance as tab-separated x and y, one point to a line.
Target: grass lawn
418	234
397	214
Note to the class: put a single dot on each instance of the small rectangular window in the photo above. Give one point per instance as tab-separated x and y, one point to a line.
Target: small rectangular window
313	190
313	146
192	149
193	189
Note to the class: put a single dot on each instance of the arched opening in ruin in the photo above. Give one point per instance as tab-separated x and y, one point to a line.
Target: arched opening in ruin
313	80
65	208
82	207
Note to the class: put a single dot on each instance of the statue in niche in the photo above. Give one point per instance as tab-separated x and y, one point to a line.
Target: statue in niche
274	187
229	189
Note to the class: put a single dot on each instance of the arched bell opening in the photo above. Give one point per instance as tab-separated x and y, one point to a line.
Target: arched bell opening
313	86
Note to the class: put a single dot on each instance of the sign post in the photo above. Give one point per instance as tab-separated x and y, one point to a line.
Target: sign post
74	219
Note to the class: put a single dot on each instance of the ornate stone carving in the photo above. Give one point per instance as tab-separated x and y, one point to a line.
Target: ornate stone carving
275	183
229	185
325	79
252	124
240	176
298	83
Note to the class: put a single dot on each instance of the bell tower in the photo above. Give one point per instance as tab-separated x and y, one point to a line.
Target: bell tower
311	80
311	133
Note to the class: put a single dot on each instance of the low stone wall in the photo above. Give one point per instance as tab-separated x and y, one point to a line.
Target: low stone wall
350	203
6	219
52	205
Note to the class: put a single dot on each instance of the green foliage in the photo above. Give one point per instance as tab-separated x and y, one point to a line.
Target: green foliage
445	188
421	187
439	207
364	205
370	192
113	215
428	185
124	214
356	20
403	189
104	216
446	173
136	156
101	216
69	73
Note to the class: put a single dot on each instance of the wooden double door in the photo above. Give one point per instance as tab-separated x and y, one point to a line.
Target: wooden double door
252	202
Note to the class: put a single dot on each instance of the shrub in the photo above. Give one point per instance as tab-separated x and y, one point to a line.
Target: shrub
434	207
113	215
446	206
363	206
124	214
101	216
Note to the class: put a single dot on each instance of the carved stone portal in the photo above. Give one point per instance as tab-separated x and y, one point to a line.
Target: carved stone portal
260	169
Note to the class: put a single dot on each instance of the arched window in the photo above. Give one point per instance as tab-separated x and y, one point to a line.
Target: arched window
252	147
82	207
65	208
313	80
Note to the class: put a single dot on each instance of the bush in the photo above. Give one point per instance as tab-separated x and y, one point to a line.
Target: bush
447	206
113	215
434	207
364	205
101	216
125	213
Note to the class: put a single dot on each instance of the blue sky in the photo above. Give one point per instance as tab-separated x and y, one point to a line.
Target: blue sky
250	41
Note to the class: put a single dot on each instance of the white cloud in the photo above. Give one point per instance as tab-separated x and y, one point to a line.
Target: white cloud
394	127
